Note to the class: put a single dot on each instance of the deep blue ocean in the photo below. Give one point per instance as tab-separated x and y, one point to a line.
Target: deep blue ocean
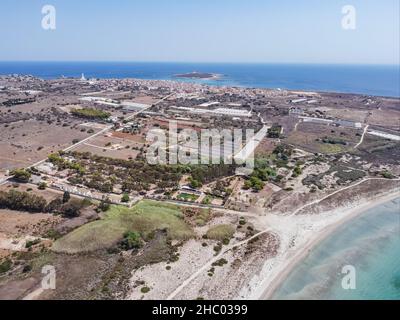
363	79
370	243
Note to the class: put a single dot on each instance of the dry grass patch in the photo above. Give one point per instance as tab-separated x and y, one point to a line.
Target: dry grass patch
220	232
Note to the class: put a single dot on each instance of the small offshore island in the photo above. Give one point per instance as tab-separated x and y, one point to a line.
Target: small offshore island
198	75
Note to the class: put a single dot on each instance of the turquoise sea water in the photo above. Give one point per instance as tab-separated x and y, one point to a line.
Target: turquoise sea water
377	80
370	243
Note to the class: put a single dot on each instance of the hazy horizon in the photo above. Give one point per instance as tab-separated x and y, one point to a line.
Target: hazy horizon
205	62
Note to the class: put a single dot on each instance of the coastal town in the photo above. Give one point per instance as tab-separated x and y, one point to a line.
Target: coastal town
78	192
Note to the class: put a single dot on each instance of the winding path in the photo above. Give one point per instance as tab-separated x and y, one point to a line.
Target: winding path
362	137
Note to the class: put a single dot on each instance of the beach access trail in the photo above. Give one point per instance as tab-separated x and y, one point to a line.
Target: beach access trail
362	137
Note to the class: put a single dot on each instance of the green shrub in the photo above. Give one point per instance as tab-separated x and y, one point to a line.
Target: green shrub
66	197
145	290
42	186
386	174
104	205
131	240
125	198
221	262
27	268
207	200
21	175
5	266
31	243
217	248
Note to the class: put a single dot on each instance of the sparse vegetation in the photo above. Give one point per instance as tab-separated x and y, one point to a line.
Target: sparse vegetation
220	232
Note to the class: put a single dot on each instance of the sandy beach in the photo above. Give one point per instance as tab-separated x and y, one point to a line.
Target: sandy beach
299	235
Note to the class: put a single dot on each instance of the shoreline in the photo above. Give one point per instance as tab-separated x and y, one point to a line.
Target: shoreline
236	83
290	263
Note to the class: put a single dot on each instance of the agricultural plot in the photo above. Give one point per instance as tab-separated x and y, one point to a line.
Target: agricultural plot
319	138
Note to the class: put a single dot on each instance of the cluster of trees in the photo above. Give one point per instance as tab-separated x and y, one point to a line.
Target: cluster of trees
67	206
254	183
103	173
98	182
221	188
275	131
262	173
297	171
22	201
21	175
202	174
62	164
90	113
282	155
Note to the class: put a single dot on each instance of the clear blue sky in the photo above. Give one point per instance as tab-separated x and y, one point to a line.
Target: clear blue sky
298	31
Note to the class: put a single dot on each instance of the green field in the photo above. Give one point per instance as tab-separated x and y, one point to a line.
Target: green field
144	218
187	197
